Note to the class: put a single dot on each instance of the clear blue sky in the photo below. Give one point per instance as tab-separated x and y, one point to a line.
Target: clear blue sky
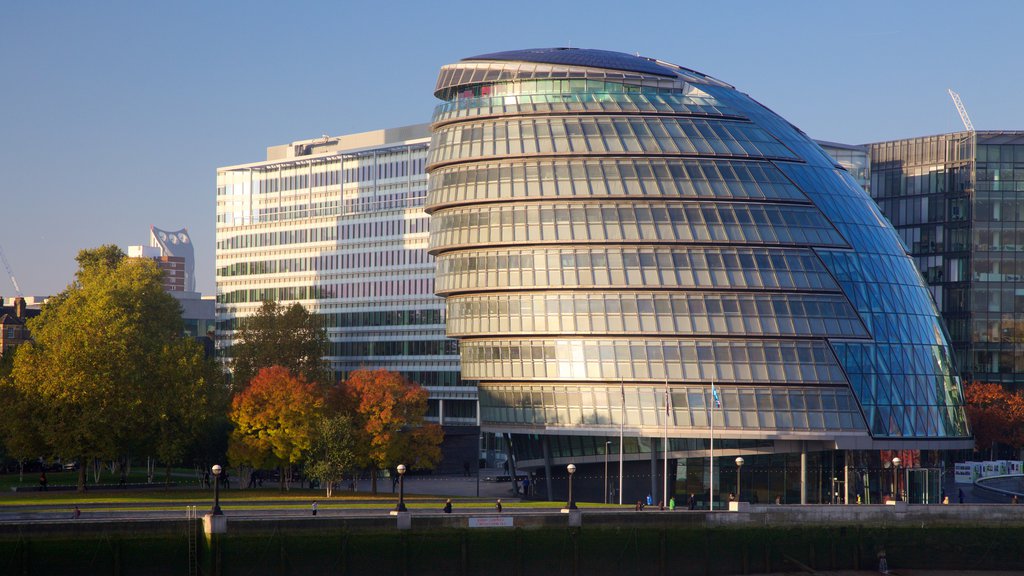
116	114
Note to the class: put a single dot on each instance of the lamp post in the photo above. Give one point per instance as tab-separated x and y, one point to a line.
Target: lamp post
607	446
401	489
896	477
572	470
739	464
216	489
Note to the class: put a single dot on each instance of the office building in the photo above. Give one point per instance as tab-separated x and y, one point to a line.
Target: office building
337	225
629	247
174	256
176	248
957	201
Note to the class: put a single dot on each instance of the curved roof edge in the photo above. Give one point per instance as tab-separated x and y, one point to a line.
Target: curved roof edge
583	57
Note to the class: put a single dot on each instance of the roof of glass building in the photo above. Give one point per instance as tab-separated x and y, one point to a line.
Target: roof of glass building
582	57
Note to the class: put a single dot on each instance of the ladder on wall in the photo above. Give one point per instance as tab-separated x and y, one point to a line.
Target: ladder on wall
192	535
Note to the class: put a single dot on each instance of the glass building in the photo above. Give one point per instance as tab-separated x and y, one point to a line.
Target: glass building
337	225
632	249
957	201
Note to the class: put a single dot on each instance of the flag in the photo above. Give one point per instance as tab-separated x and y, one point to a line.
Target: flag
714	393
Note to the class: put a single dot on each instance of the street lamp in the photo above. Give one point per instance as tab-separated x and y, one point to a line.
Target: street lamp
401	489
572	470
739	464
896	477
216	489
607	446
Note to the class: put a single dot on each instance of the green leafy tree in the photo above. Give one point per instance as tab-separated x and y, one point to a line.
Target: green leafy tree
88	381
290	337
188	397
390	411
335	450
22	439
273	420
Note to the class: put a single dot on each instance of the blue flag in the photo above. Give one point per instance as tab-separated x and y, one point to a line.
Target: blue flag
714	393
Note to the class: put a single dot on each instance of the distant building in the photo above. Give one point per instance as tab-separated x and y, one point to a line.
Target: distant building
173	267
174	255
337	225
957	201
13	329
176	246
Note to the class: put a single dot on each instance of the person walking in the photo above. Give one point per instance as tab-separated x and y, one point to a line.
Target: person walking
448	506
314	507
497	505
960	495
691	503
76	513
672	504
42	481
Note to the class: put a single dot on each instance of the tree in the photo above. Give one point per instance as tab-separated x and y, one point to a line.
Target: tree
996	416
290	337
87	380
273	420
335	450
390	411
188	397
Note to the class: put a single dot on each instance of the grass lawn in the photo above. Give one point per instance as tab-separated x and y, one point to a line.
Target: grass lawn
253	499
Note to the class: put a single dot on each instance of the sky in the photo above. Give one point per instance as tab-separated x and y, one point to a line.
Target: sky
114	115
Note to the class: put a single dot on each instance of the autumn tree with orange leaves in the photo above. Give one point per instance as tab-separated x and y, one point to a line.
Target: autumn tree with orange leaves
274	418
996	416
389	410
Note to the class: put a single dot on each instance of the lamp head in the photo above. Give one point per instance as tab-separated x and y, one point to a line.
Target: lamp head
739	461
896	461
216	469
401	469
571	468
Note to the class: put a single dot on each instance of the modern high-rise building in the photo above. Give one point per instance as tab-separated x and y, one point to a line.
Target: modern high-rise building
174	256
634	250
176	246
337	225
957	201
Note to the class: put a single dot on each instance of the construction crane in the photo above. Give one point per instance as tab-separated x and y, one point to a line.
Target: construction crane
960	109
7	266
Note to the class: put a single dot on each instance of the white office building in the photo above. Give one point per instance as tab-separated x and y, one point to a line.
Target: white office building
337	225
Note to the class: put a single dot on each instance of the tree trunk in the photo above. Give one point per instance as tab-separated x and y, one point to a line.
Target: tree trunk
373	481
280	475
81	474
167	477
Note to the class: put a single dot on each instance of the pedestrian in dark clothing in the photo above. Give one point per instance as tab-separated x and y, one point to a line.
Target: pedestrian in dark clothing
76	513
314	507
497	505
960	495
42	481
639	506
691	503
448	506
465	469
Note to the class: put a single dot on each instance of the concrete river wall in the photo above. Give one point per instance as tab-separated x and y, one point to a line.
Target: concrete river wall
758	540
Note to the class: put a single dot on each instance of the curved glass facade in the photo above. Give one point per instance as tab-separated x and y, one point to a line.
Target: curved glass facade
615	235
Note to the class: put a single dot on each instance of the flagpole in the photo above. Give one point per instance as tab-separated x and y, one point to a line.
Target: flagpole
664	450
711	417
622	421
